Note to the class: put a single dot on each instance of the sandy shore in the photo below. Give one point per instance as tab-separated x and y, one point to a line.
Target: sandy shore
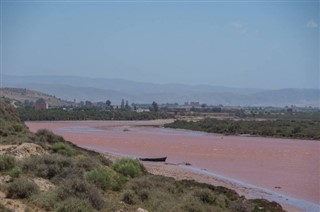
183	172
281	169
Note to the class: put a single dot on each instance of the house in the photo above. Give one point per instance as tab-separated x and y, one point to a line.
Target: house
41	104
140	110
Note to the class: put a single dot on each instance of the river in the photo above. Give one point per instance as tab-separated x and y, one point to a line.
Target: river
287	169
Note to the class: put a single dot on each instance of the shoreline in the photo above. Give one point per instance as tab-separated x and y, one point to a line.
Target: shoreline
188	172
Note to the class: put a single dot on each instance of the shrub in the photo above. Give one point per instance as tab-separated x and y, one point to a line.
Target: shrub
105	161
205	196
47	166
46	200
4	209
193	205
129	167
18	127
80	189
48	136
63	149
128	197
74	204
142	187
104	178
15	172
6	162
87	163
21	188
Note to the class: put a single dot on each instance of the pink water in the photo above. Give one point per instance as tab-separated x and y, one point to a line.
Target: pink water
293	166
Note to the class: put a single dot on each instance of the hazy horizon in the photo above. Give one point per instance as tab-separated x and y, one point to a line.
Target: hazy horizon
265	45
145	82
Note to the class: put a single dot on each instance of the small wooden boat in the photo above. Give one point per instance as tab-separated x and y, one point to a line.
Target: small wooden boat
163	159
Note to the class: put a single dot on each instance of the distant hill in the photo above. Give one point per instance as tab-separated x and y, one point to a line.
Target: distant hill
21	95
84	88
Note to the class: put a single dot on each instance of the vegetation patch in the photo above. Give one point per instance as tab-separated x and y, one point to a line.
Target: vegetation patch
47	166
46	200
15	172
74	204
63	149
29	114
21	188
82	190
303	129
104	178
129	168
129	197
6	162
47	136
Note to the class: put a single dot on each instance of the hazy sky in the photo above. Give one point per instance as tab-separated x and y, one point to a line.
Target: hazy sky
237	44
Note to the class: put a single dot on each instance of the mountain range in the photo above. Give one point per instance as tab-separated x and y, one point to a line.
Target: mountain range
100	89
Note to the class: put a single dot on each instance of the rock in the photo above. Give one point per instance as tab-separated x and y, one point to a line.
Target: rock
5	179
22	151
44	184
141	210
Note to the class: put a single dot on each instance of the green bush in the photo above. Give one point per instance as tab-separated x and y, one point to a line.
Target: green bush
87	163
18	127
193	205
6	162
104	178
129	197
129	167
105	161
46	200
47	166
21	188
205	195
63	149
80	189
73	204
15	172
47	136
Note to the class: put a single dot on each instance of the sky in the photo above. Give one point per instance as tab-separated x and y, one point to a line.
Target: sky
245	44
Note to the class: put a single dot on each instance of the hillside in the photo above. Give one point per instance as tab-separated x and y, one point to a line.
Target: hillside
21	95
43	172
94	89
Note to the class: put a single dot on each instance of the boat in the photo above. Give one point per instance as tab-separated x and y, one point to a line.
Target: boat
162	159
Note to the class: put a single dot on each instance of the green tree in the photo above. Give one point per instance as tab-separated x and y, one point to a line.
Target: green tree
127	107
154	107
122	104
41	101
108	103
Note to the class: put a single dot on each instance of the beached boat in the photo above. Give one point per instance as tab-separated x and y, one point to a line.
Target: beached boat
162	159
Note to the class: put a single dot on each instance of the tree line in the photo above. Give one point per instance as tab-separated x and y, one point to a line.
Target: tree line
29	114
303	129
